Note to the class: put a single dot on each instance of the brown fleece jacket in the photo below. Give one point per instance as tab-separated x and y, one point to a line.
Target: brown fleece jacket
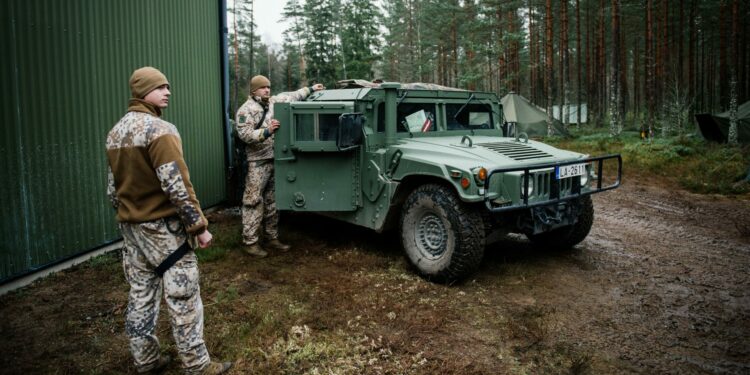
149	179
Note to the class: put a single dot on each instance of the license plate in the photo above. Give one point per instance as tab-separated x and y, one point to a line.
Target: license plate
572	170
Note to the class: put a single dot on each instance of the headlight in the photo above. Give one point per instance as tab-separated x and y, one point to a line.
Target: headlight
530	189
585	176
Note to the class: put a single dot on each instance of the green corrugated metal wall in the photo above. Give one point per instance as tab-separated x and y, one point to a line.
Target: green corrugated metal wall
64	84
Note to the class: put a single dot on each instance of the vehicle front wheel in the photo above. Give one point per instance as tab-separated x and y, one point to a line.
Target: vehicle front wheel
441	235
568	236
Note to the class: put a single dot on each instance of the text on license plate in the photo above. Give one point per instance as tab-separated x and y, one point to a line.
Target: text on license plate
572	170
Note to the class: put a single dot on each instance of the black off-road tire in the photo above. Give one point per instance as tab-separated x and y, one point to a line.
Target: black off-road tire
442	236
566	237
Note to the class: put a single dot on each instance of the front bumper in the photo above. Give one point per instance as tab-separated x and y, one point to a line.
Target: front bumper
547	190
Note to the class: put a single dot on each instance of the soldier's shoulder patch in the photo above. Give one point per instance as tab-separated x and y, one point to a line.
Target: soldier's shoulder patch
243	117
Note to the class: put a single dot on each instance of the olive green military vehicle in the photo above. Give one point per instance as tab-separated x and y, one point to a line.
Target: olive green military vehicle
437	166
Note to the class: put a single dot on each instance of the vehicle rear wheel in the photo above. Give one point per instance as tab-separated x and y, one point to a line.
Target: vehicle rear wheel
442	236
568	236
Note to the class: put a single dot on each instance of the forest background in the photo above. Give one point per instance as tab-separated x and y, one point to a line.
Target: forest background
647	65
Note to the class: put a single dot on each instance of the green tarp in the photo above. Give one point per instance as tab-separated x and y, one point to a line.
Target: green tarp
529	118
715	127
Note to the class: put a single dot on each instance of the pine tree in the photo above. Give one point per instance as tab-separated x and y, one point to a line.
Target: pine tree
360	38
294	39
243	55
320	46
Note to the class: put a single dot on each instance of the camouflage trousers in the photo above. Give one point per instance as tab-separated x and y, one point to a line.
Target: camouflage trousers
146	246
259	203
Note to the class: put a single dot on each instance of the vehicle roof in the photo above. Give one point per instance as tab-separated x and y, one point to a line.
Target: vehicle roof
362	93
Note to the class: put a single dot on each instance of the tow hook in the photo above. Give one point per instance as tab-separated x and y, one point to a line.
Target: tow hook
541	214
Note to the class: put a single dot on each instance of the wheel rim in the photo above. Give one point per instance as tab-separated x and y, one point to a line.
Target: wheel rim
431	235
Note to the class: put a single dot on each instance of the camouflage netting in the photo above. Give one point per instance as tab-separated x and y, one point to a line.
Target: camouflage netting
359	83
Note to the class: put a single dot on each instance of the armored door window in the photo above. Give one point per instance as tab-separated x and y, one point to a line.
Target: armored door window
416	117
305	126
328	126
468	116
311	127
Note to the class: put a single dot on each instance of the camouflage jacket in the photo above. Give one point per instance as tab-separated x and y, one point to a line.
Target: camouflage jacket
148	178
251	130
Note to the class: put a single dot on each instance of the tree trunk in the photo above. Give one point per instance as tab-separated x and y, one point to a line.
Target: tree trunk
648	131
532	53
744	50
623	94
691	50
565	72
615	123
470	54
636	82
549	66
733	136
680	32
454	53
723	63
578	63
602	69
589	68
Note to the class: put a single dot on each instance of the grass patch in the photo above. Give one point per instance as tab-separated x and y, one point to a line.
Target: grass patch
688	161
111	259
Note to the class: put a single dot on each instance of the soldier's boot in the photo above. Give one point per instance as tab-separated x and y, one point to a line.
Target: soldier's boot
255	250
160	365
216	368
275	244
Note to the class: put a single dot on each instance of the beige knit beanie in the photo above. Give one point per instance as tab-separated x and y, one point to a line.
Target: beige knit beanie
258	82
145	80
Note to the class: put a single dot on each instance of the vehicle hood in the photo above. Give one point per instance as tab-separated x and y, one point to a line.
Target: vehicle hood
485	151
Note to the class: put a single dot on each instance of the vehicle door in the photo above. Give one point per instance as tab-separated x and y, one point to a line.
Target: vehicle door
316	160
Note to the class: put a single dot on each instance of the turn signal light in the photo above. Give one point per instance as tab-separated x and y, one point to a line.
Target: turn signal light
482	174
465	183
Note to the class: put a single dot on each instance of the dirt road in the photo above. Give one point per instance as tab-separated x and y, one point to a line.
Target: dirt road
660	285
664	282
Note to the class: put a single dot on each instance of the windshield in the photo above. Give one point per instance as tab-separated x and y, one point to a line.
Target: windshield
472	116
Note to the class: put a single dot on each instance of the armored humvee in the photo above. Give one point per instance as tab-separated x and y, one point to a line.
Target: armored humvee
438	165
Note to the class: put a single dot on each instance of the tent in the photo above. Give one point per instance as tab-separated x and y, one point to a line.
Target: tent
529	118
716	127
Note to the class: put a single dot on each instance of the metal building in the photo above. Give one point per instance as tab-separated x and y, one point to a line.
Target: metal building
64	83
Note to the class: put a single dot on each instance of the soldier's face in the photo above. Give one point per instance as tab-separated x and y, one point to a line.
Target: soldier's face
159	96
263	92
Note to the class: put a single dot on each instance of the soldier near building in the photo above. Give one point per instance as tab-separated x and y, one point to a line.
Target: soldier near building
157	211
255	127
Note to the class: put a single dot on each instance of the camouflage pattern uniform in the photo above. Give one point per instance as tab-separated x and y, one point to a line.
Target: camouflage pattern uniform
258	200
153	225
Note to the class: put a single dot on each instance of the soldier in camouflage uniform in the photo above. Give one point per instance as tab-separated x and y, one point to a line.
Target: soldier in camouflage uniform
157	211
255	127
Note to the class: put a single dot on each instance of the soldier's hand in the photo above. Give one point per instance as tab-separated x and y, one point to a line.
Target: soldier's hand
204	239
274	125
318	87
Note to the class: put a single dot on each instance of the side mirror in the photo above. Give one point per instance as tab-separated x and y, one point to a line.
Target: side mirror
350	131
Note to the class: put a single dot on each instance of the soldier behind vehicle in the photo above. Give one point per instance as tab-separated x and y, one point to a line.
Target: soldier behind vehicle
255	127
157	211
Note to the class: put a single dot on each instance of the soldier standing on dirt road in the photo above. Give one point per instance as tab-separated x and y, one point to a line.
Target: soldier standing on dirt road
157	210
255	127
